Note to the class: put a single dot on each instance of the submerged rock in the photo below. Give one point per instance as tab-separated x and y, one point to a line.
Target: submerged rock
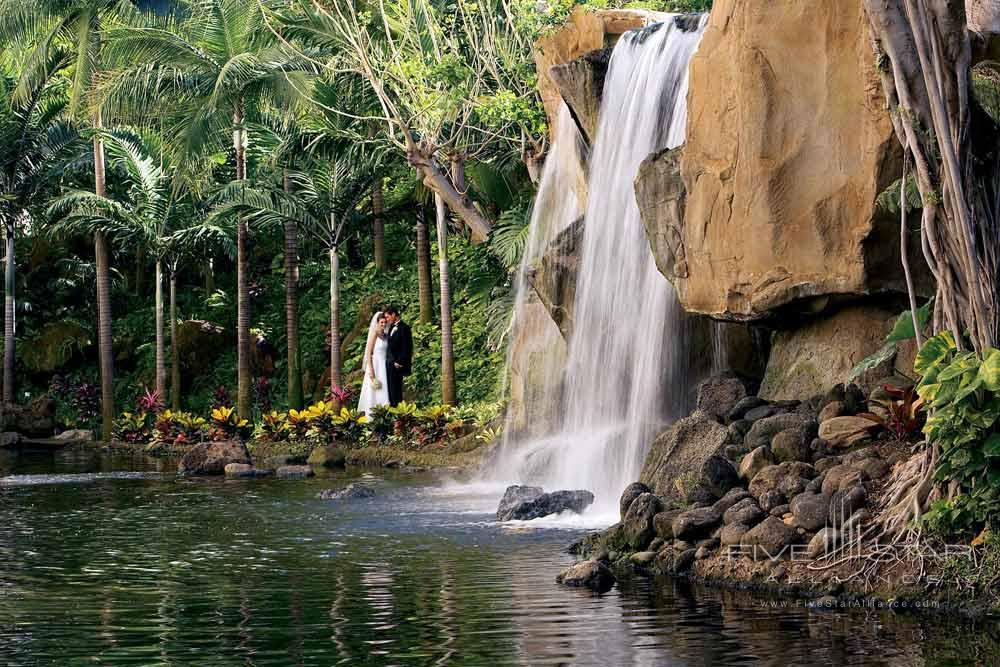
295	472
542	505
349	492
592	574
246	470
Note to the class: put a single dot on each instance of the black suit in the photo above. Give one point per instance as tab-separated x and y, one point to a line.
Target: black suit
400	352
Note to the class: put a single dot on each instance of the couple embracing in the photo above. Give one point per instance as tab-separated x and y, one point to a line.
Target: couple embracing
388	359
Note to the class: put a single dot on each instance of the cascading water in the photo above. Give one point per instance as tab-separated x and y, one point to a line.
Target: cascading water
626	366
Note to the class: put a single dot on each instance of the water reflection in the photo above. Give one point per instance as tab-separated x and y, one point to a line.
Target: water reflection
166	571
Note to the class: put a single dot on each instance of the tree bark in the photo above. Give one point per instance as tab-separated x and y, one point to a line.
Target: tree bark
924	55
242	280
295	398
102	260
175	360
447	342
424	269
8	317
436	178
336	377
378	224
161	355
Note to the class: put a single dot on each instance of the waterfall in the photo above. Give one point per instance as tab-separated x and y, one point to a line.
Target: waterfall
626	365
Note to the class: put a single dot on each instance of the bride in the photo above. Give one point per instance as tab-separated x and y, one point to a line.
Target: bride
375	388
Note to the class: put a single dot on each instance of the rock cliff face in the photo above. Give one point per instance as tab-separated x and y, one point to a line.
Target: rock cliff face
583	33
789	145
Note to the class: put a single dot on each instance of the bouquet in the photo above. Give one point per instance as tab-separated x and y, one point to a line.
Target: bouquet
376	384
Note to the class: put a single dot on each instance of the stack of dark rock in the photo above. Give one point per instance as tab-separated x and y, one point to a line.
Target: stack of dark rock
744	477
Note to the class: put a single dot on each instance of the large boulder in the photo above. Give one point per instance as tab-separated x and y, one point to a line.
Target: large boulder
846	431
585	31
637	524
747	512
680	452
719	394
810	510
514	495
546	504
327	456
792	146
592	574
769	539
631	492
581	84
696	523
211	458
764	430
808	360
554	277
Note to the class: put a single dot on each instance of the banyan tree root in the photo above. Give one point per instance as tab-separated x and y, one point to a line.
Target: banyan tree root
923	50
907	496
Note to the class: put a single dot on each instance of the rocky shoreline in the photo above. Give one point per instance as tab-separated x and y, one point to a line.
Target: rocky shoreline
782	497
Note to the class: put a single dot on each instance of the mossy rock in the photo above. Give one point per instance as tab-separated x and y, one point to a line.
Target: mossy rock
328	456
54	346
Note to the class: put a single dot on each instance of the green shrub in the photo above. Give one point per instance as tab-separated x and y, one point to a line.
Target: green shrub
962	392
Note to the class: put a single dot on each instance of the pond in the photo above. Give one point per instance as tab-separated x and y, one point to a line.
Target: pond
116	561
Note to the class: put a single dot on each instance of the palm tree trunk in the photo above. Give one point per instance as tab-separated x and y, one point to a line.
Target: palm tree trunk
447	343
336	378
378	224
8	318
292	309
175	360
161	355
140	273
104	341
210	277
242	281
424	270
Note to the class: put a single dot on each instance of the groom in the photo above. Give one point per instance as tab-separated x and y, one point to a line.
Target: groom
399	359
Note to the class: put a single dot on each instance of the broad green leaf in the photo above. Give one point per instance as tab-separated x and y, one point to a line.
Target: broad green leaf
992	445
934	351
903	329
879	357
989	370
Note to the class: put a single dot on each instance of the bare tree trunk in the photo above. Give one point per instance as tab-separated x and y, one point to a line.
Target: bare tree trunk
161	354
447	342
242	281
436	178
175	360
336	377
424	270
378	224
8	317
292	308
104	340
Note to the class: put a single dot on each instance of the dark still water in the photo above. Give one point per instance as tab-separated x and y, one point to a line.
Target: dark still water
108	561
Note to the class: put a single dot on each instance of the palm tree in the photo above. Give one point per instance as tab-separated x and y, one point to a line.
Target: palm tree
222	64
139	218
323	200
35	133
78	25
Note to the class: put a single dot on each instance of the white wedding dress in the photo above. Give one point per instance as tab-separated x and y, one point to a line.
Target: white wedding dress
370	396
